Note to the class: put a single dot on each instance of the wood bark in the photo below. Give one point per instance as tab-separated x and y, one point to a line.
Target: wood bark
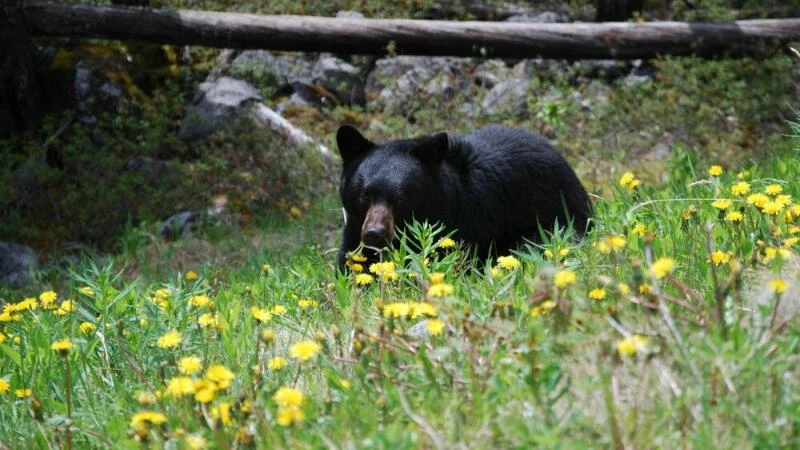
403	36
20	102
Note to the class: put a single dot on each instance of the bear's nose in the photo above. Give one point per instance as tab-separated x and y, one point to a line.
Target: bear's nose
375	236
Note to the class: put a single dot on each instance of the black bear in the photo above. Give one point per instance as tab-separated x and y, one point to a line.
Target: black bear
495	186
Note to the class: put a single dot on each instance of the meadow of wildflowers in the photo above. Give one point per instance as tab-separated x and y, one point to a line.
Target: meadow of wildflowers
671	325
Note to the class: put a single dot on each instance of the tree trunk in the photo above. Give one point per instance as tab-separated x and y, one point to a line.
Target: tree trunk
20	105
402	36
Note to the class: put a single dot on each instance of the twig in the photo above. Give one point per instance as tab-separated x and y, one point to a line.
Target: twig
420	420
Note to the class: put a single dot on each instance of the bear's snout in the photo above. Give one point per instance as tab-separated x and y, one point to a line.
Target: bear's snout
378	228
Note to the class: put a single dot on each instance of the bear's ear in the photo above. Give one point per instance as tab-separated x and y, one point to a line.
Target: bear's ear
432	149
351	142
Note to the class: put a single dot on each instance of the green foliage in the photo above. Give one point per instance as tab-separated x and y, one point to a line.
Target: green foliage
665	320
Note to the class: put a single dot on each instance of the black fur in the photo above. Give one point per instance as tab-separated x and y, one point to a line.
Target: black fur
495	185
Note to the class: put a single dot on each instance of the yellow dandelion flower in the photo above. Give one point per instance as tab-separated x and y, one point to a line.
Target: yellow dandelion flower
23	392
773	189
205	391
722	204
48	299
715	170
597	294
564	278
437	278
28	304
261	315
631	345
610	244
645	289
778	285
268	335
222	412
196	442
381	267
66	307
548	253
734	216
208	320
266	268
305	350
87	327
180	386
221	375
629	181
440	290
86	290
199	301
785	200
63	346
446	243
397	310
170	339
288	416
435	327
356	257
289	397
719	257
743	174
543	308
363	279
740	188
356	267
5	386
758	200
191	275
307	303
662	267
141	420
640	229
772	208
278	310
277	363
190	365
422	309
508	262
623	289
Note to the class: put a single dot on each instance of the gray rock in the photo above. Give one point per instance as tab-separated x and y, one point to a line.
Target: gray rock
17	263
216	105
341	79
94	92
544	17
388	69
178	226
402	81
152	170
508	97
490	73
278	68
635	80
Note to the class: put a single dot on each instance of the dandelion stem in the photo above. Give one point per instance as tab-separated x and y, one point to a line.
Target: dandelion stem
718	298
68	384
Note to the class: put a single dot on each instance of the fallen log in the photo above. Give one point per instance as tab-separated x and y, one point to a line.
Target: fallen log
404	36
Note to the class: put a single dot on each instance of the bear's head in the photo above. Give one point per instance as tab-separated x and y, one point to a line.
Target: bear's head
386	185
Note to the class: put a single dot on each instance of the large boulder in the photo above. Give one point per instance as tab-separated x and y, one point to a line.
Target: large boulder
217	104
17	263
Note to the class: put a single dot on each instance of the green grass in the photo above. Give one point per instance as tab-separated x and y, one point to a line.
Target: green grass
521	363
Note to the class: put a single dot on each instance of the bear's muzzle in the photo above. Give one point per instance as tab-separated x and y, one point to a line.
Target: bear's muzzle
378	228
